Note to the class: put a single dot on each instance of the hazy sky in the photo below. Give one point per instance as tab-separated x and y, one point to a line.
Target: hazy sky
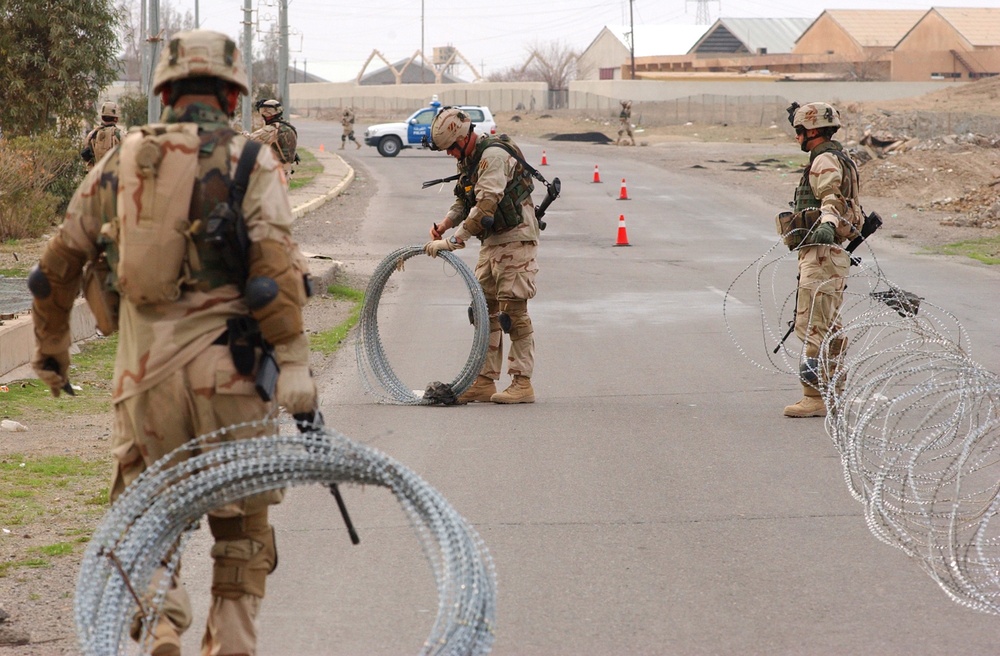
492	35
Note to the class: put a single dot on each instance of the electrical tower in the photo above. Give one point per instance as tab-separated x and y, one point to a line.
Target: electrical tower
702	16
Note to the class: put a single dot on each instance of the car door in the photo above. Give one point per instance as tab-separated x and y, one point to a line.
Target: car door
420	126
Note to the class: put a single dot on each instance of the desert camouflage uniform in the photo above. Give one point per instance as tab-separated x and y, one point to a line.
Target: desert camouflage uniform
174	376
283	140
823	267
102	139
507	263
625	123
347	122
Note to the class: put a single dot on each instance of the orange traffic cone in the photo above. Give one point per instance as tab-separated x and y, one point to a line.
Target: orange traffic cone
545	162
597	174
622	234
321	148
624	192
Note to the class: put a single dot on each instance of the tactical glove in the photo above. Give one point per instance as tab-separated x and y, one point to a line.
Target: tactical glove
432	248
52	369
296	388
824	233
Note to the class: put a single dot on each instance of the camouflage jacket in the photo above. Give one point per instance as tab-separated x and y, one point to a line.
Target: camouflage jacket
347	121
157	339
281	137
491	178
104	138
832	181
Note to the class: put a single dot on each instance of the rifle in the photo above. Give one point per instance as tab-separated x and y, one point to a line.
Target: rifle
872	223
311	422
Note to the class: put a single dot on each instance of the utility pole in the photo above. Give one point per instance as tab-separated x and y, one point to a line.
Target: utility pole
423	62
248	63
283	54
631	38
702	16
197	22
153	47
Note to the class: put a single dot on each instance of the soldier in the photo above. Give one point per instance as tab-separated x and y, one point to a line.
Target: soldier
277	133
625	123
103	138
826	200
347	122
494	204
186	360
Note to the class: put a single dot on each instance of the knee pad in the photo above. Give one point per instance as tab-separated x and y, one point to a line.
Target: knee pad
809	371
244	552
517	323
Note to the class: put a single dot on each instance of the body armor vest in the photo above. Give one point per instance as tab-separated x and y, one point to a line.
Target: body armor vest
105	139
518	190
804	197
169	247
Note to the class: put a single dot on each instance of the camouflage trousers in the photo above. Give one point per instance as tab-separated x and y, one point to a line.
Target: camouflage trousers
204	395
822	273
507	275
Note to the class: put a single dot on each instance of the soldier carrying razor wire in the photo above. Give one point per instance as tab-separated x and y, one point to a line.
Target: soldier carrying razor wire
494	204
182	240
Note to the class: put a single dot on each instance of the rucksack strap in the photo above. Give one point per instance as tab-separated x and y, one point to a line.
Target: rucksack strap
241	180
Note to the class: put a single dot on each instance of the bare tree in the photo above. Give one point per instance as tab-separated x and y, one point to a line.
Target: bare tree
554	63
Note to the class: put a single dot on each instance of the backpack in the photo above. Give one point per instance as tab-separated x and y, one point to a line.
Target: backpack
105	138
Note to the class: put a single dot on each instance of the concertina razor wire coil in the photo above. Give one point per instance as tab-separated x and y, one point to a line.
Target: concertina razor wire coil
915	420
376	372
149	524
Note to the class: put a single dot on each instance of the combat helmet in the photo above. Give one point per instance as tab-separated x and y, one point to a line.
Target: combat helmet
110	109
450	124
200	53
814	115
270	108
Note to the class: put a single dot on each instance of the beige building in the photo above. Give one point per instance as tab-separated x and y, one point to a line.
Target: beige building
857	44
950	43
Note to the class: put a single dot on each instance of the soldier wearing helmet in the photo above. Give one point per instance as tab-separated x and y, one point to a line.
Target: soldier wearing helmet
103	138
494	204
194	304
625	124
347	123
277	133
826	203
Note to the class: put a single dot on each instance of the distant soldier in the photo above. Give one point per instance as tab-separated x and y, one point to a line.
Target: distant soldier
277	133
347	122
625	123
103	138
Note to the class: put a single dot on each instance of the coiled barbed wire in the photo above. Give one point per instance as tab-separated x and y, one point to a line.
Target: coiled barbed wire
149	524
376	373
916	421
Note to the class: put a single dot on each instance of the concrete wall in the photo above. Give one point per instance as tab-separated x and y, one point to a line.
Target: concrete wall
399	100
604	95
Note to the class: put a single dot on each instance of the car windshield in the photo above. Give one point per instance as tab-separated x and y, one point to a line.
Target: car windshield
424	118
476	115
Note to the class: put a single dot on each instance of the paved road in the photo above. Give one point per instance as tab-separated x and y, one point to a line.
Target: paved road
653	500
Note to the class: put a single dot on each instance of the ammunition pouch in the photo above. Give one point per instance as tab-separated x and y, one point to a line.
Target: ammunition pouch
794	226
101	297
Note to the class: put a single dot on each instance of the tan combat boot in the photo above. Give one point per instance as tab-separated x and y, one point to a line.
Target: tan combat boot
520	391
810	405
341	145
482	391
358	144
